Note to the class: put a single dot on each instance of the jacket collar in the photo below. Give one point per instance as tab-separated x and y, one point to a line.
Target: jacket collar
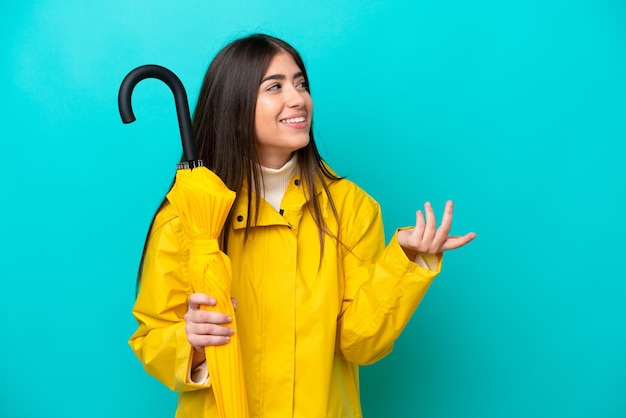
293	202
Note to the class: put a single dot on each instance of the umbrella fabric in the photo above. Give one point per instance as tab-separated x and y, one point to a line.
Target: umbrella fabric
203	201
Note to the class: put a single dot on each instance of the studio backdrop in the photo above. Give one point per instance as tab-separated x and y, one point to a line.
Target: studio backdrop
515	110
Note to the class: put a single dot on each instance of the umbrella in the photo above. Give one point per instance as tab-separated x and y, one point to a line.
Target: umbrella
202	201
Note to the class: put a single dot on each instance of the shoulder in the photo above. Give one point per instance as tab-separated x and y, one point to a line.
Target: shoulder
166	235
166	218
359	217
357	211
347	193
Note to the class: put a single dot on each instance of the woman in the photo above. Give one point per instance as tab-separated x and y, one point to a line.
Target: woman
317	291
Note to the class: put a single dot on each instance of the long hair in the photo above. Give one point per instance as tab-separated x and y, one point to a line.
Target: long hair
224	131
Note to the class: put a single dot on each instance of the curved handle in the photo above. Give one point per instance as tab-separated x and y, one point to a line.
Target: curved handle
180	98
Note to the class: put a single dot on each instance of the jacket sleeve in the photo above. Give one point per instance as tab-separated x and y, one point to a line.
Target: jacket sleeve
382	288
160	341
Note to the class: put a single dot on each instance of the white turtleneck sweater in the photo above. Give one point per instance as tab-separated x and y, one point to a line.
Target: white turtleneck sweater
276	180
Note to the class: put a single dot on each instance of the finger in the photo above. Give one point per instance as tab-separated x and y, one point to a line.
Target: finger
418	231
208	329
201	341
197	299
431	225
444	229
207	334
453	243
446	219
208	317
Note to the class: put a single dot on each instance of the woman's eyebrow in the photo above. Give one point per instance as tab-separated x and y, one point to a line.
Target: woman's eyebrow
281	76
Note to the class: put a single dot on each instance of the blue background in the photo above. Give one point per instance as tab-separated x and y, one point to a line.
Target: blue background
516	110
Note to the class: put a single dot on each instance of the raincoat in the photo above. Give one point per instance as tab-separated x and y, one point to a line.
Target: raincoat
305	320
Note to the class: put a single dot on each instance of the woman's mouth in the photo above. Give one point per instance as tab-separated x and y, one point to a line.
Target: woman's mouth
294	120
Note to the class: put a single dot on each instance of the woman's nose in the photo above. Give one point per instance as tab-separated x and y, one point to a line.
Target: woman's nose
295	97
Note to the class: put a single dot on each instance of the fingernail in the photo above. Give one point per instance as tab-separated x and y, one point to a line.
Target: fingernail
231	331
229	319
212	301
227	339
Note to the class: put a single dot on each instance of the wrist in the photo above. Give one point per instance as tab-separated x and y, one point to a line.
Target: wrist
198	357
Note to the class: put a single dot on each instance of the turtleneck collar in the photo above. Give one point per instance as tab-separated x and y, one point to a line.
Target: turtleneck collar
276	180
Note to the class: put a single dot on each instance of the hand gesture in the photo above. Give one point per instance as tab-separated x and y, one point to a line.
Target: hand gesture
206	327
426	238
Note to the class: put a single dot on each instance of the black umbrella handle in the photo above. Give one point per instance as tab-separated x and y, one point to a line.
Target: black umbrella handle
180	97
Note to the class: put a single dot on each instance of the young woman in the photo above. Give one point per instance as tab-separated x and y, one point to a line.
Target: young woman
317	291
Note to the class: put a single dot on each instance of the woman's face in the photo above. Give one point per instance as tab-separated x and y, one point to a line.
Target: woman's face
282	118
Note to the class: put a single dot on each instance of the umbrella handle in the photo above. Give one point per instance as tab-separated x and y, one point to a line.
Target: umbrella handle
180	98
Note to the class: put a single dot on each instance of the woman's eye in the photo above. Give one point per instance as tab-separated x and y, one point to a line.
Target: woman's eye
274	87
303	84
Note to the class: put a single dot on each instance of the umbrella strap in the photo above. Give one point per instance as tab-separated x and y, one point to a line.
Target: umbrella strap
208	246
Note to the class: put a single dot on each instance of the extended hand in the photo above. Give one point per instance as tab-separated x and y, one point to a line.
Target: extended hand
426	238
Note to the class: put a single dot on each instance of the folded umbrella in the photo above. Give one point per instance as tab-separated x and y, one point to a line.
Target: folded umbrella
202	201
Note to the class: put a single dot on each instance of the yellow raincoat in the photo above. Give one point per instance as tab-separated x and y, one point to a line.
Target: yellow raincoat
305	325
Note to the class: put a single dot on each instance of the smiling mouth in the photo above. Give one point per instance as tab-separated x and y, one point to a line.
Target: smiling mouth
293	120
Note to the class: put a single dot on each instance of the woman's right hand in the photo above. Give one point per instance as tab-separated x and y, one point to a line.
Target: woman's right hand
205	327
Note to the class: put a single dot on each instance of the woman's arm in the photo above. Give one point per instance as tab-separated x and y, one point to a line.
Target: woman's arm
383	286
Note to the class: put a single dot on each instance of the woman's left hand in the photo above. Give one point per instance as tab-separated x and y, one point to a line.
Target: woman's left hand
426	238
